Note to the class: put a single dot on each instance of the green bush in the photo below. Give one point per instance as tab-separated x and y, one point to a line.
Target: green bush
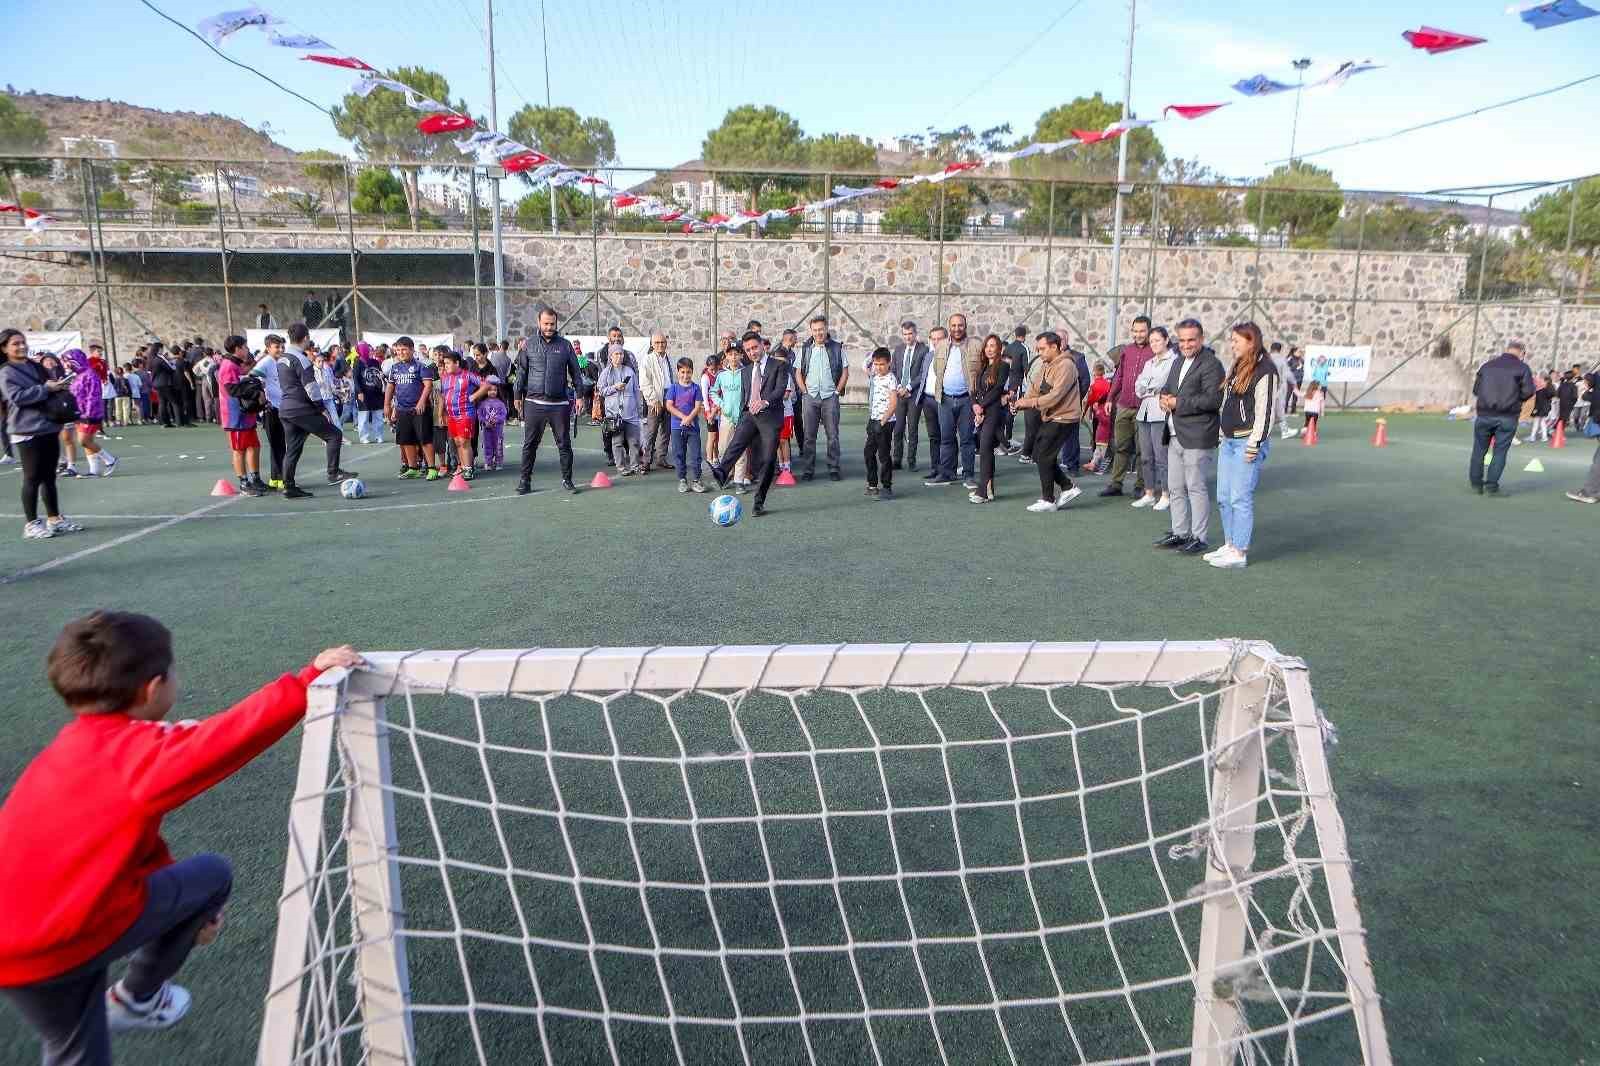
1234	240
36	200
193	213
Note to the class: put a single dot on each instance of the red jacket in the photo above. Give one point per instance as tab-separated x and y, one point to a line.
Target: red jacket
81	830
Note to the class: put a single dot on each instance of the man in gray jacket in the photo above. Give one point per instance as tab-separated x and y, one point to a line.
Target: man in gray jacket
820	374
655	374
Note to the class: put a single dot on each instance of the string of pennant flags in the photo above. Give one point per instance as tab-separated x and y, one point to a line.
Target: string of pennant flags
492	147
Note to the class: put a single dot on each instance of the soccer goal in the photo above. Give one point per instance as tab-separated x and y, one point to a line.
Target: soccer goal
822	854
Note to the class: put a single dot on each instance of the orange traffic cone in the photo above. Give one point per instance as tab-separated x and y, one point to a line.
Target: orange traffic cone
785	477
1560	439
600	481
1380	438
458	484
224	487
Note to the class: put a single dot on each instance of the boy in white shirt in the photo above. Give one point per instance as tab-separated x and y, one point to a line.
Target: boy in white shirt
882	400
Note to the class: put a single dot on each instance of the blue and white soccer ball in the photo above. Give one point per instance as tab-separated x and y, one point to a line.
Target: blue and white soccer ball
726	510
352	488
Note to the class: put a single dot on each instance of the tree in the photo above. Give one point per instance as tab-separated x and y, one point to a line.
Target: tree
38	201
1195	203
115	199
533	210
1077	204
751	138
565	136
379	192
1549	215
1396	227
21	132
382	127
917	211
1301	199
325	170
308	205
836	152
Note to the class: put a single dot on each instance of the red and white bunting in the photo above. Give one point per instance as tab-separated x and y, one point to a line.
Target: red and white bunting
1192	111
445	123
524	160
348	62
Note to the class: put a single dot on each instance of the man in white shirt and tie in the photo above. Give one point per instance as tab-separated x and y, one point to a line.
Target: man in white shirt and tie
765	378
954	366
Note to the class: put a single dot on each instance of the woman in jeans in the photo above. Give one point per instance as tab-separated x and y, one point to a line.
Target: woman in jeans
1249	394
988	411
1151	420
34	435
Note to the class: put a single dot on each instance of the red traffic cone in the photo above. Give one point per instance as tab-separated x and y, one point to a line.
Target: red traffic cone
1560	439
224	487
785	478
1380	437
458	484
600	481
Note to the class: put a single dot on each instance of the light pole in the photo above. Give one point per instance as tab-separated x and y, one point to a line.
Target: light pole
1122	185
1300	66
494	192
544	32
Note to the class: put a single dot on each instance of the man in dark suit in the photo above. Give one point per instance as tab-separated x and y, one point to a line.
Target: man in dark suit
1192	398
908	362
764	379
1016	375
303	415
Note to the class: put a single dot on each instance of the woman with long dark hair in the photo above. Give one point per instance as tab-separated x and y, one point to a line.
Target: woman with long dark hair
987	392
1249	394
34	435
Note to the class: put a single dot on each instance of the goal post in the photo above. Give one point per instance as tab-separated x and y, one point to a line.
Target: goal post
1118	851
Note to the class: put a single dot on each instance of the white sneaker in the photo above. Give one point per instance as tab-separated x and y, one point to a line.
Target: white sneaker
1162	504
1146	500
1232	559
36	530
1067	497
64	525
108	464
1217	553
7	460
169	1006
1041	506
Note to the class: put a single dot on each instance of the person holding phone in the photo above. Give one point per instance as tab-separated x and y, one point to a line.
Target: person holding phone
34	434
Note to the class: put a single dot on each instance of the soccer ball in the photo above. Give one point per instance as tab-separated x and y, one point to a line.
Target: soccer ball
352	488
726	510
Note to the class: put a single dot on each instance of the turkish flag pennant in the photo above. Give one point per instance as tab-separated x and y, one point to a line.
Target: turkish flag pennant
887	183
1433	40
625	201
1091	136
516	164
956	168
348	62
717	219
672	216
688	227
1192	110
445	123
590	179
6	209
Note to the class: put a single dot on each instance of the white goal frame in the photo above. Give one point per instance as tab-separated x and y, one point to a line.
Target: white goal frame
347	716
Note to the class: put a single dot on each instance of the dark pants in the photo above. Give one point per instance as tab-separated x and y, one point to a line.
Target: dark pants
1591	486
38	457
955	427
274	427
1071	457
1497	430
297	428
989	434
880	444
930	417
686	451
656	438
69	1011
186	394
1046	447
757	434
1030	431
1008	422
1125	442
905	427
170	413
536	417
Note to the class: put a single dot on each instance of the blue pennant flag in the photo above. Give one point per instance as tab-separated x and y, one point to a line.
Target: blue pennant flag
1261	85
1559	13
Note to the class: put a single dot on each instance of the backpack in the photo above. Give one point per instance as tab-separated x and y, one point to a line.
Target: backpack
61	407
249	393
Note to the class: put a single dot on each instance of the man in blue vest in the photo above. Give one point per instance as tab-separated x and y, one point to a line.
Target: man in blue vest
821	375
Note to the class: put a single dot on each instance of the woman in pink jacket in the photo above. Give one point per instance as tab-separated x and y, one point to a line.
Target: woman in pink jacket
87	389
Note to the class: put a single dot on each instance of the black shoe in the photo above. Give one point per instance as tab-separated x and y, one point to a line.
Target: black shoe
885	494
523	488
1493	490
1478	489
719	476
249	488
1172	540
835	476
1112	489
808	476
759	511
569	486
340	475
897	465
295	492
1194	547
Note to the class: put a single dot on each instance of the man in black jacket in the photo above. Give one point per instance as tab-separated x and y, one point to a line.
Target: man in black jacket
311	311
164	382
765	378
1017	372
1192	398
1503	384
303	415
547	368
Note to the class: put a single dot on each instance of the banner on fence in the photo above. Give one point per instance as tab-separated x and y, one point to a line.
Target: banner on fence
256	339
422	340
55	343
1345	363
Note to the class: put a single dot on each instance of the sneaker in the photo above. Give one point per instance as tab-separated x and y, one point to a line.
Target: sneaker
36	530
629	471
1583	497
1215	553
834	475
340	475
1041	506
523	488
295	492
433	475
698	486
1067	497
938	482
1027	459
7	460
973	497
885	494
1162	504
108	463
683	485
1231	559
62	525
870	490
409	474
1112	489
1013	449
165	1009
469	474
568	486
1146	500
68	471
250	488
970	484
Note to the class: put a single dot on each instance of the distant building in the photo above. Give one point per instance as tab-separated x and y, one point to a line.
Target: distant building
452	195
102	147
205	184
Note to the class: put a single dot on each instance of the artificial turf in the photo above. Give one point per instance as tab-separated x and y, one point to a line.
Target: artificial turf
1445	635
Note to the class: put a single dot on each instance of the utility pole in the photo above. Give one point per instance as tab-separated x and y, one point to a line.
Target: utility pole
544	32
1122	185
494	192
1300	65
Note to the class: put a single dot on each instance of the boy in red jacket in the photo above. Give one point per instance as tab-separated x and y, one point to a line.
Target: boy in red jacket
84	872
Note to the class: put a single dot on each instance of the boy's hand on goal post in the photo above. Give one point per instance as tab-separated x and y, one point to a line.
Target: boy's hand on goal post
209	932
343	655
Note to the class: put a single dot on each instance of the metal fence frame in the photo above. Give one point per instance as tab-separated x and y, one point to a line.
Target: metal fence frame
1139	236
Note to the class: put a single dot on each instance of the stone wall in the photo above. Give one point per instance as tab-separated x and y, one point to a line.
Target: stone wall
1398	302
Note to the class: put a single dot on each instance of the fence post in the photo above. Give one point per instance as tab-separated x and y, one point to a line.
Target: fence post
477	270
1483	268
938	315
594	252
222	248
350	234
827	247
1049	251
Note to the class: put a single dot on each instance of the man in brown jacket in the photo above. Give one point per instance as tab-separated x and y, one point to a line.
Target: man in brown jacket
951	372
1060	406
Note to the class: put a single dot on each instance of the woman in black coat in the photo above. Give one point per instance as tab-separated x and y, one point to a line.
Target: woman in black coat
987	393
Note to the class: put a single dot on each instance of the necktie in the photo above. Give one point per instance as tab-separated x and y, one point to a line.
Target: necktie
755	387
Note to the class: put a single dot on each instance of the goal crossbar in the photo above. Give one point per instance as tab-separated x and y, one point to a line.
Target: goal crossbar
340	975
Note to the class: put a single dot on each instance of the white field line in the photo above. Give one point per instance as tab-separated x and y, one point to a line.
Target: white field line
63	560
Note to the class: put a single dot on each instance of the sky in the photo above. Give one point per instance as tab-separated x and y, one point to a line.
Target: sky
662	73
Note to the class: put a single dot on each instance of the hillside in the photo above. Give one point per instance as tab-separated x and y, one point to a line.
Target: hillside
145	132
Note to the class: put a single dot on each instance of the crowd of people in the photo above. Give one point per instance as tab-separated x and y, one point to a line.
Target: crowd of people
1161	408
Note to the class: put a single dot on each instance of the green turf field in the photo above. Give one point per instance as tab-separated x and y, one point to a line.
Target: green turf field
1449	637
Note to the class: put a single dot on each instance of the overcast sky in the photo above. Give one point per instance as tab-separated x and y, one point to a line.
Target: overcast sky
662	72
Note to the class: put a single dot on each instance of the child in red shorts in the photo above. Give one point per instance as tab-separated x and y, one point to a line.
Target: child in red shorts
459	392
84	872
239	424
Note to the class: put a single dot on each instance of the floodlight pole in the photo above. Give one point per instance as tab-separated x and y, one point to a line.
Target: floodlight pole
1300	66
1122	189
544	32
494	193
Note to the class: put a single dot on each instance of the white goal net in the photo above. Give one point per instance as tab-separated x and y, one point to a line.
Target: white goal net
952	853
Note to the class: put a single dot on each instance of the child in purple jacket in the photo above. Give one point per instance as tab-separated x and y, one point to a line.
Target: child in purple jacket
87	389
